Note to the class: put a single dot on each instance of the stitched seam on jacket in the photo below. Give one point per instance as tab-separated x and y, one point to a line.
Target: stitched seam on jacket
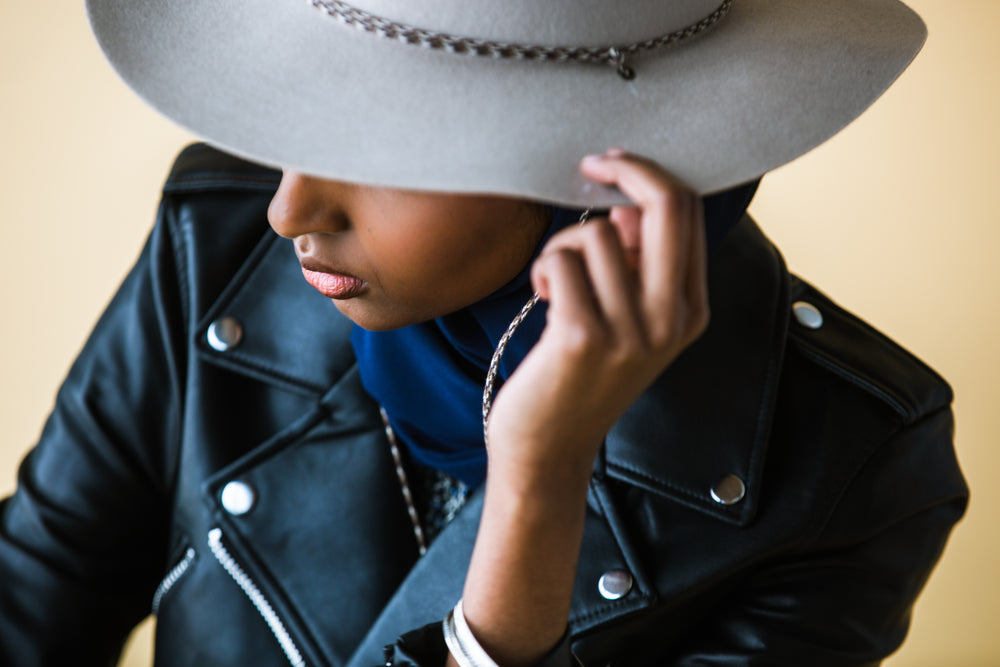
656	481
602	496
610	607
808	288
269	370
770	389
178	243
234	359
856	378
208	181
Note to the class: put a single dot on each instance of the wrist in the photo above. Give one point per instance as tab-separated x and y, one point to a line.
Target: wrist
539	469
554	485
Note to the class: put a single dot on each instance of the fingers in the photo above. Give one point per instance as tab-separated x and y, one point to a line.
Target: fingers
611	282
626	295
671	241
560	277
666	208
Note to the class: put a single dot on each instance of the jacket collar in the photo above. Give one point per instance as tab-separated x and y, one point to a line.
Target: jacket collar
667	443
709	415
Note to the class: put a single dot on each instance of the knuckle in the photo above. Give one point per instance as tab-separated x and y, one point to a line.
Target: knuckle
560	258
558	241
662	333
663	198
630	347
671	201
598	231
580	341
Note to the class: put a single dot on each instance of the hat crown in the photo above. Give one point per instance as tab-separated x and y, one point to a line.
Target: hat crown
551	22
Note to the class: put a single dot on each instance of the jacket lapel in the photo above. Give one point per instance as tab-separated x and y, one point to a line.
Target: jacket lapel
292	336
709	415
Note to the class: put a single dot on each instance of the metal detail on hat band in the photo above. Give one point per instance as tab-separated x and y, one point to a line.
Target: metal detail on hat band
616	56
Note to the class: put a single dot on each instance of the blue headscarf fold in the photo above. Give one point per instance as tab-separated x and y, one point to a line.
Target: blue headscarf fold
429	376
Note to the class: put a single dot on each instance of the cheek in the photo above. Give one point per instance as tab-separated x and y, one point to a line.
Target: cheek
439	264
411	264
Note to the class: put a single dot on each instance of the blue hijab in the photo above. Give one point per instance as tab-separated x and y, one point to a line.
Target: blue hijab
429	376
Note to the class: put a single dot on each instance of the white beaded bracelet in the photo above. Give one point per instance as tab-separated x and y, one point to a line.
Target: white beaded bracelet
462	643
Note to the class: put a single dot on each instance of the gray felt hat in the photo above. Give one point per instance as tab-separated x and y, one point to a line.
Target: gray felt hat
506	96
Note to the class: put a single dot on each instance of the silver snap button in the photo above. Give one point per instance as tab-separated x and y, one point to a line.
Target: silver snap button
614	584
729	491
807	314
238	498
224	333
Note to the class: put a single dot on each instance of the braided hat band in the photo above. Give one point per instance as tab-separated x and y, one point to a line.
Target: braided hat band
614	55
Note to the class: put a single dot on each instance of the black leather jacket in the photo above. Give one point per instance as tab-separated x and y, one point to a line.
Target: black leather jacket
840	440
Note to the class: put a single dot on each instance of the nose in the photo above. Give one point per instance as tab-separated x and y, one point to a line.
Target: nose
306	204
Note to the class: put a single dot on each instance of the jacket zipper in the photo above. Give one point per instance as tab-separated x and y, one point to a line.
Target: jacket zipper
176	572
257	598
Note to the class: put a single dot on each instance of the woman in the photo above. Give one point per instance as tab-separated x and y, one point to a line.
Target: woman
221	431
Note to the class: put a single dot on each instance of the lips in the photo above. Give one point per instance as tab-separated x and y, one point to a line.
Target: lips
334	285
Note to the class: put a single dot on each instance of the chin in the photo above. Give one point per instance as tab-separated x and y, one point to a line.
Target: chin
374	319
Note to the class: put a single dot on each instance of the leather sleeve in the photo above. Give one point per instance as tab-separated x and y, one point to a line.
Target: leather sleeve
425	647
82	540
847	599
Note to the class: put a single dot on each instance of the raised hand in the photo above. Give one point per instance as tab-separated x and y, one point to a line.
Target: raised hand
626	295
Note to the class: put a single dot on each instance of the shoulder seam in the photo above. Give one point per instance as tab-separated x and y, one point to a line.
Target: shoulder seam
898	397
222	180
855	377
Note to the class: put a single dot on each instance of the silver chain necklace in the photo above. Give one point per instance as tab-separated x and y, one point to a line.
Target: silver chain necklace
397	459
491	374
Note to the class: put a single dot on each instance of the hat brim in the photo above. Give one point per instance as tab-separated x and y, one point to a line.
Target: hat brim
283	84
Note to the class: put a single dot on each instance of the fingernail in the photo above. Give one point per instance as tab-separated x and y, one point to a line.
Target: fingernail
615	152
593	157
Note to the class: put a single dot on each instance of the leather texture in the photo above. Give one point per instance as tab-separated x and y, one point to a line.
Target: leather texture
842	439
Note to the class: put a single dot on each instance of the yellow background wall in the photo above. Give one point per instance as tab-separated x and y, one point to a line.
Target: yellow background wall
896	217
